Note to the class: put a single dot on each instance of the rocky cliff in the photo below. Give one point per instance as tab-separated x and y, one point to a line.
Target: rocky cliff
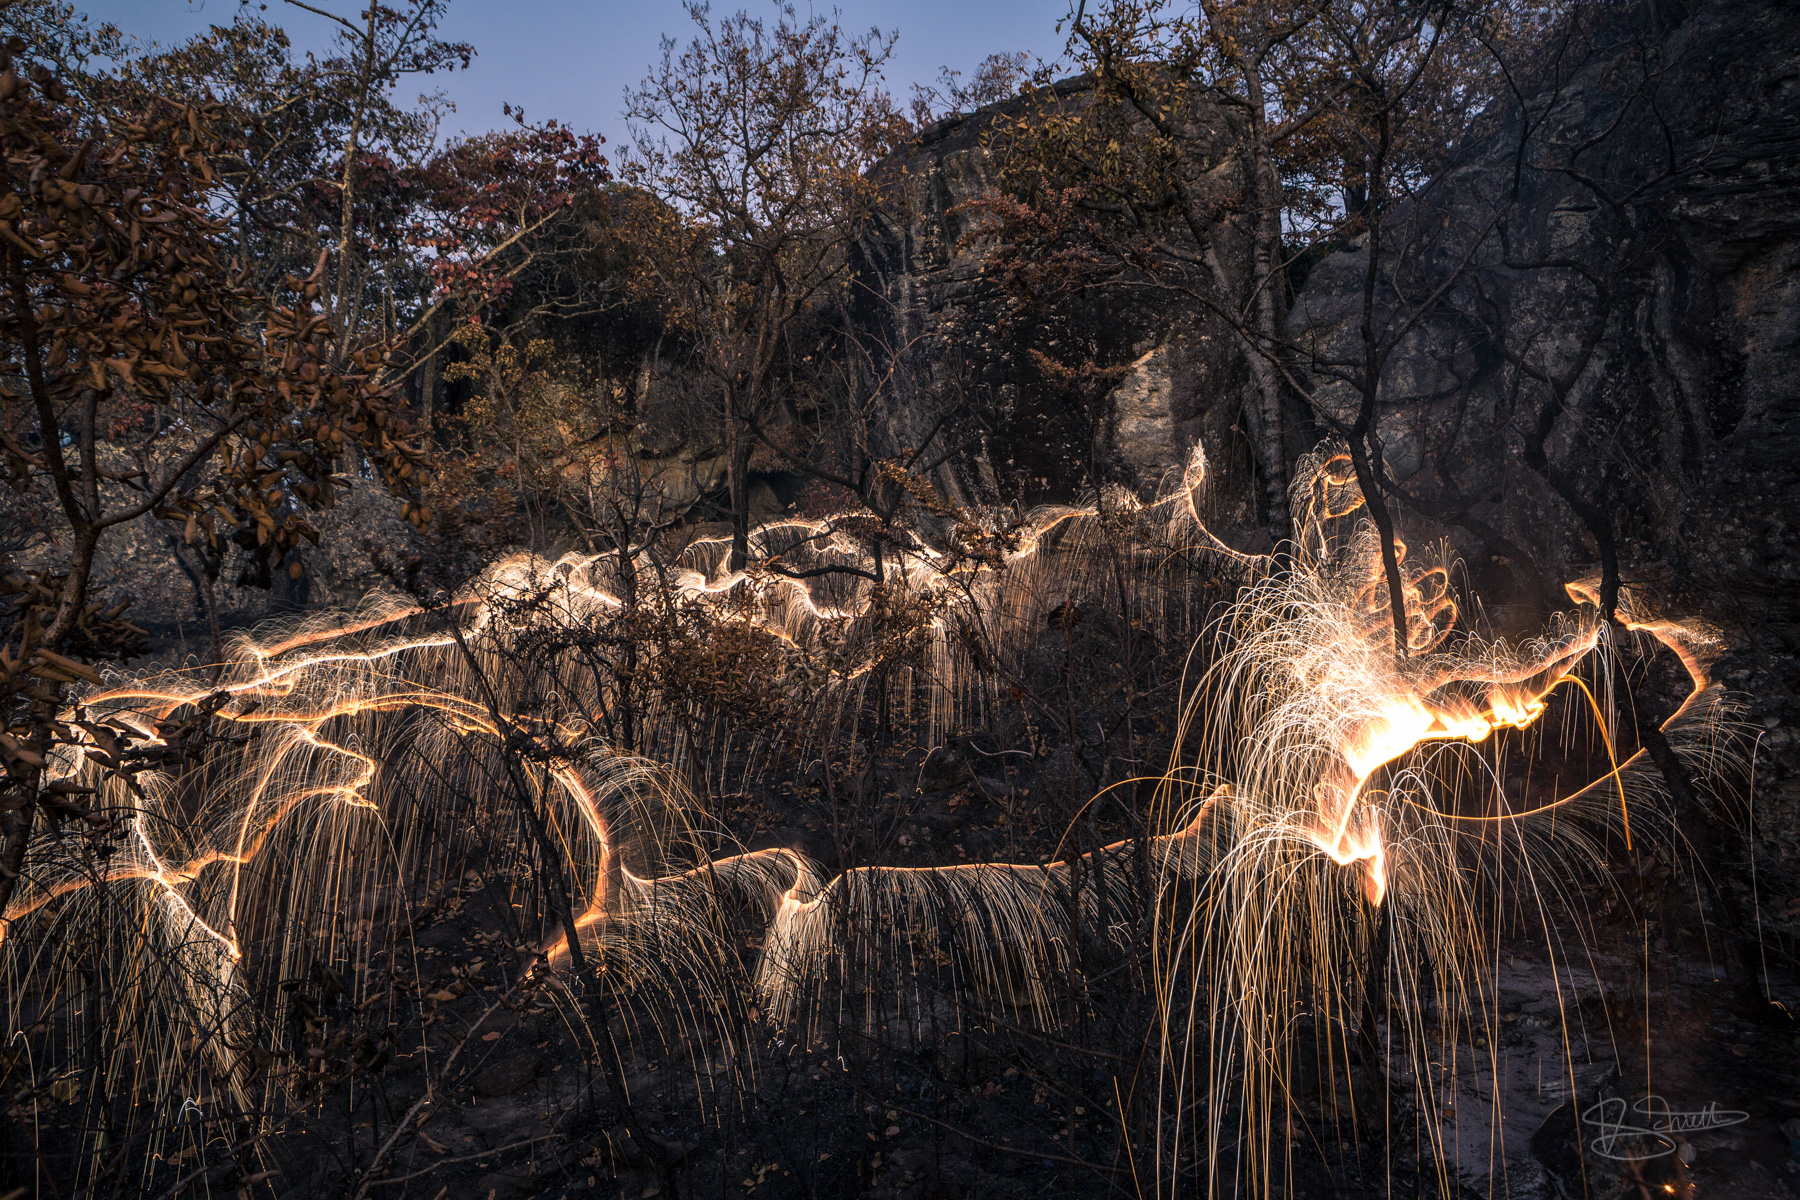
1663	167
1052	394
1668	243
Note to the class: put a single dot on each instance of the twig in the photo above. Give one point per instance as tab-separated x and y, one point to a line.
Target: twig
180	1185
366	1181
445	1162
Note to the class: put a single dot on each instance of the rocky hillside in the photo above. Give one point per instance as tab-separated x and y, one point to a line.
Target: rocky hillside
1681	418
1093	385
1683	428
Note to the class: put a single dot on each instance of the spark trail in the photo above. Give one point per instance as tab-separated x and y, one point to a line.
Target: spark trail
1304	768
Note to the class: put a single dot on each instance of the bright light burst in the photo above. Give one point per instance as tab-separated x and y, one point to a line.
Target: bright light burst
1322	785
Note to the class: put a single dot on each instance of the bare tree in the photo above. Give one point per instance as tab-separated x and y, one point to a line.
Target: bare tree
755	142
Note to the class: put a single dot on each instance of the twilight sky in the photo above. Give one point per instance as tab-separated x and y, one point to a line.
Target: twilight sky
572	59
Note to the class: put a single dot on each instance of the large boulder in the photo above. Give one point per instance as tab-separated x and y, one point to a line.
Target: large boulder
1048	396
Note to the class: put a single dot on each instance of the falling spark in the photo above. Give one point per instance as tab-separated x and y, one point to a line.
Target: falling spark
1304	766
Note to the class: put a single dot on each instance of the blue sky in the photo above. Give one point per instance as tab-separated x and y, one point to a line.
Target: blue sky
572	59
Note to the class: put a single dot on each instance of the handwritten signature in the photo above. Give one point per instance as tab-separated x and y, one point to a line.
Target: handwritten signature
1645	1130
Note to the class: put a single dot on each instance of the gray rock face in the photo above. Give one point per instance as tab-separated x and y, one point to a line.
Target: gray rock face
1010	374
147	561
1684	428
